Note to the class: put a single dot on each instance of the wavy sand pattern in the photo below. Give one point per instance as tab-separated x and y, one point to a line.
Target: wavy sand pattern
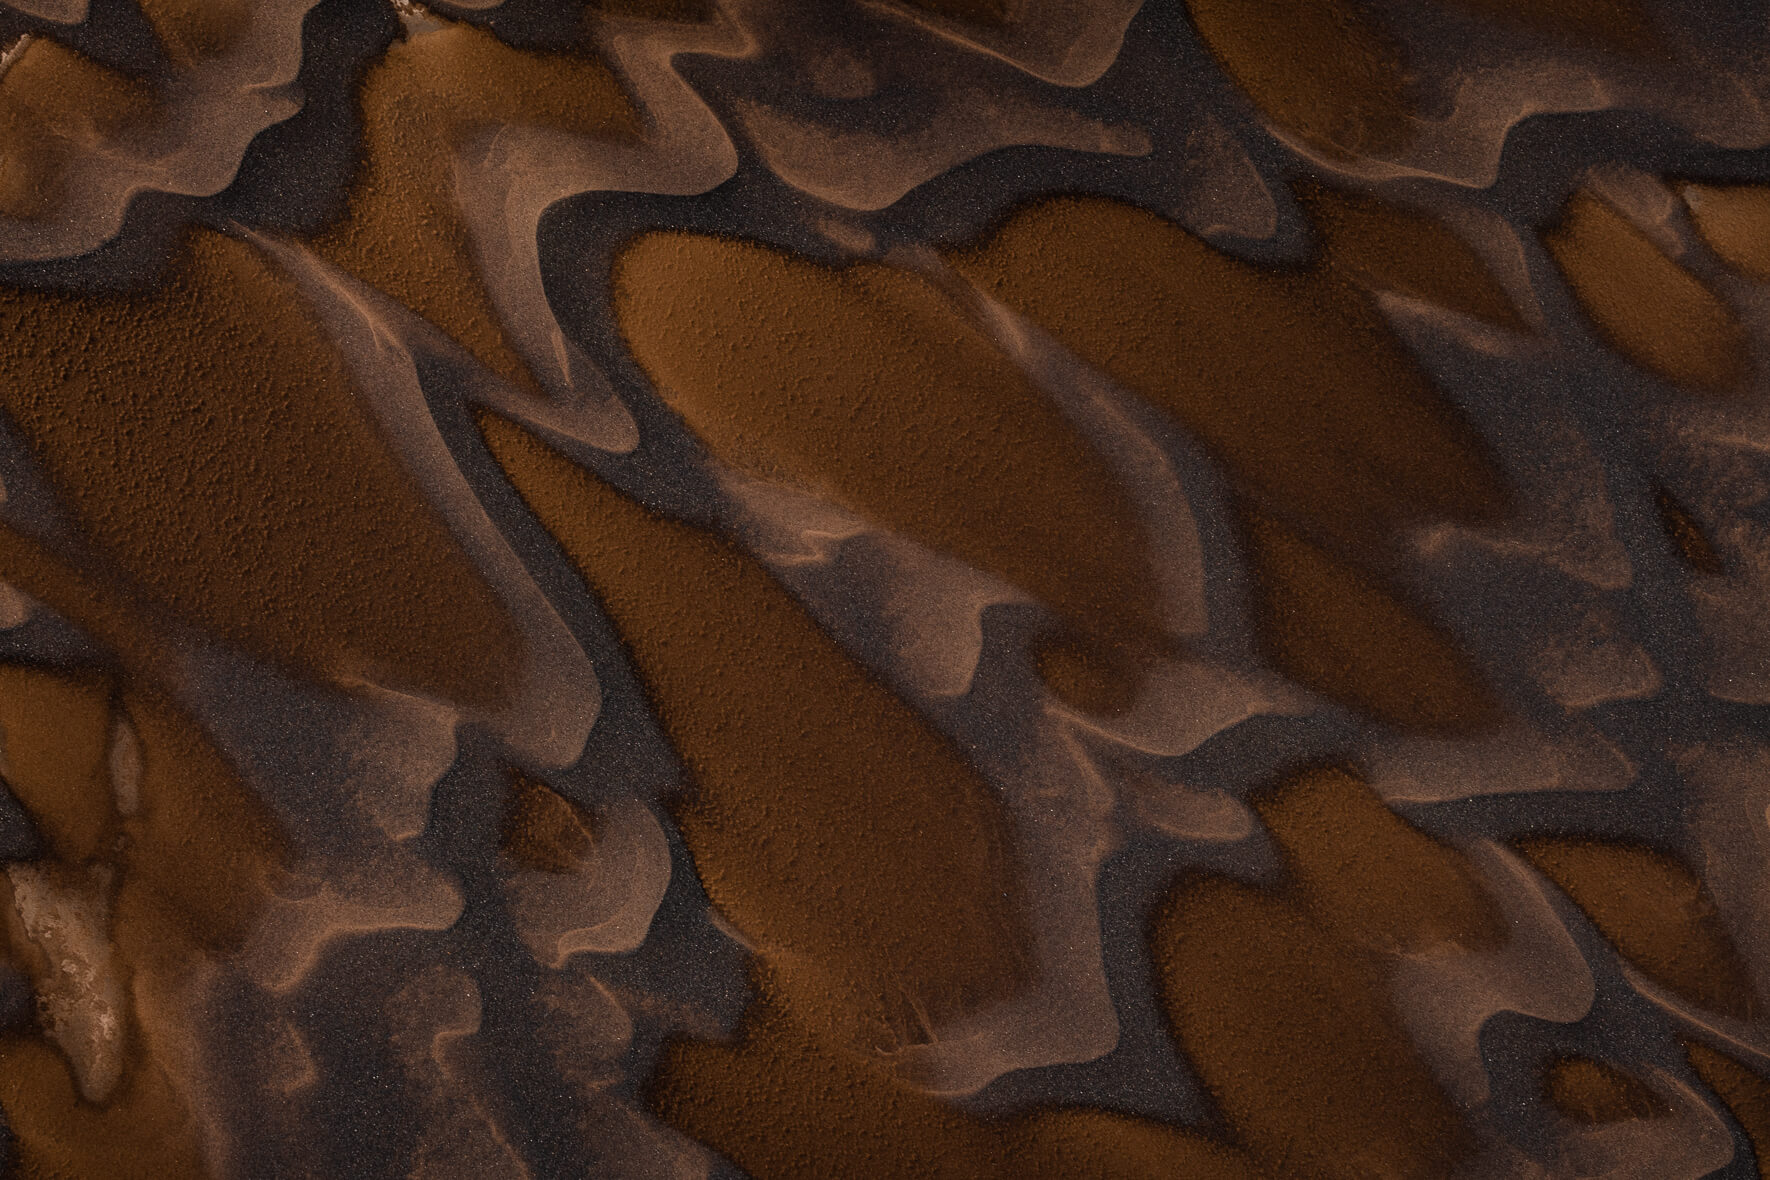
885	588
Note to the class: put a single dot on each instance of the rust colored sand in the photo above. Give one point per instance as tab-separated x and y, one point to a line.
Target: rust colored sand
1620	25
54	102
848	841
1288	1028
1657	913
542	829
423	104
1688	539
193	858
1371	877
1320	70
1336	630
56	732
866	384
1734	221
1746	1093
241	484
1279	998
1590	1091
191	30
785	1105
1291	378
1392	248
1329	432
1651	309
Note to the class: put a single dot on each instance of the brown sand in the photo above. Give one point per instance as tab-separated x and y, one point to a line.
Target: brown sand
1279	999
867	385
1590	1091
191	30
421	104
849	842
53	102
1336	630
208	439
1391	248
56	729
188	869
1649	308
143	1133
1734	221
1288	1028
543	830
1620	25
1320	70
1687	536
1746	1093
1656	912
203	850
672	10
844	836
983	12
1292	380
1369	876
784	1105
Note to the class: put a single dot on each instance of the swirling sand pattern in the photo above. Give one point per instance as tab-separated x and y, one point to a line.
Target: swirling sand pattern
885	588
